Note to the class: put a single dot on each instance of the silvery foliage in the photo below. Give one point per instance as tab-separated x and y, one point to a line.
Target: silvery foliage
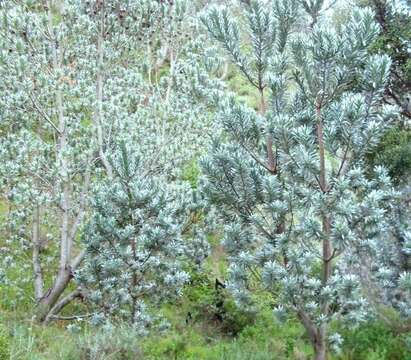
168	107
273	232
391	270
142	236
133	106
400	6
109	340
32	173
16	219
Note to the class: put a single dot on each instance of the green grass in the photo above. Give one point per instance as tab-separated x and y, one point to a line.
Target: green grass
264	338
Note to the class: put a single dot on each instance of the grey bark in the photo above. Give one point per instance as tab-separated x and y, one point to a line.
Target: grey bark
36	244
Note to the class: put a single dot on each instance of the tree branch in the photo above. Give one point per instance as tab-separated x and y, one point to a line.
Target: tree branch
62	303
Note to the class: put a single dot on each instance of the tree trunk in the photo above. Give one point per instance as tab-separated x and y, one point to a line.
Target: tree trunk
317	335
37	271
171	79
271	157
61	304
320	346
320	350
48	302
49	299
98	113
53	294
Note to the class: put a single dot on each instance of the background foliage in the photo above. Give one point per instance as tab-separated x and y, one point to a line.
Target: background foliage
192	92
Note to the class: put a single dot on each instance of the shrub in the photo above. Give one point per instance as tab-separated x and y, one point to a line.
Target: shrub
119	343
394	152
374	341
210	302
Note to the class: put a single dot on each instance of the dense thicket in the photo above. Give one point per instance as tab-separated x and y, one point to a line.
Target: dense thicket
215	161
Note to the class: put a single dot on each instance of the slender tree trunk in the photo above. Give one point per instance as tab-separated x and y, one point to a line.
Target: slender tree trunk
320	352
320	346
65	241
271	158
149	62
49	302
65	273
37	271
62	161
98	113
171	79
316	335
160	61
326	223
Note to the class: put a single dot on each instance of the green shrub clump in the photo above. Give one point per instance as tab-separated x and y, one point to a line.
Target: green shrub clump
394	152
376	341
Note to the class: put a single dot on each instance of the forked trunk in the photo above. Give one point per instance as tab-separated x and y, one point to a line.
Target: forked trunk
317	335
52	301
53	294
